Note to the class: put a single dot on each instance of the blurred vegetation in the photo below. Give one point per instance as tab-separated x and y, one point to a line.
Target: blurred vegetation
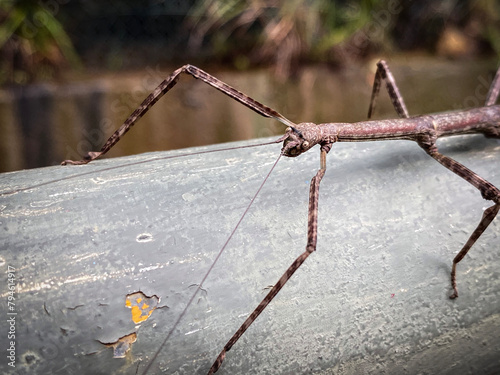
287	33
33	43
40	38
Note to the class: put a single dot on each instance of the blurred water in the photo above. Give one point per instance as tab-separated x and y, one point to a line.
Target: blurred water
43	124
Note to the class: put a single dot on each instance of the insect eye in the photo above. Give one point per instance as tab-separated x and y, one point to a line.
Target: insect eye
305	144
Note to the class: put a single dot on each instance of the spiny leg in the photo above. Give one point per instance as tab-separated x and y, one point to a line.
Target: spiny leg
383	73
488	192
162	89
312	233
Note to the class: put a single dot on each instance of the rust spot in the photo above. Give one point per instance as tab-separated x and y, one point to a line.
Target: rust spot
122	345
141	305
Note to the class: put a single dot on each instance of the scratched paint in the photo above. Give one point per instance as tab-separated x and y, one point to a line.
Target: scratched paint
122	345
141	305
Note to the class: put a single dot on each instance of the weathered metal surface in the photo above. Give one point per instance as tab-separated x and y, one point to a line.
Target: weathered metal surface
372	299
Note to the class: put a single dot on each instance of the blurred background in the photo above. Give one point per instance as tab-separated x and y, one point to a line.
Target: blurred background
71	71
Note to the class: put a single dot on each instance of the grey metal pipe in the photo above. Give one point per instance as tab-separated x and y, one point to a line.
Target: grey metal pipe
372	299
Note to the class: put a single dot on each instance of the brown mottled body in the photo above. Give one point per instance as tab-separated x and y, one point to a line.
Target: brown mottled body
299	138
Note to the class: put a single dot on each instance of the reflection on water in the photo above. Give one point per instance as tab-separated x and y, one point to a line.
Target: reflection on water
43	124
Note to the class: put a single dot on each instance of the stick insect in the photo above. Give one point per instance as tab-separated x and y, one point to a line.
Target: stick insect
299	138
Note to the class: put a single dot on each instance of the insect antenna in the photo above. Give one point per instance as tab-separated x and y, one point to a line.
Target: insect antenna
200	285
76	175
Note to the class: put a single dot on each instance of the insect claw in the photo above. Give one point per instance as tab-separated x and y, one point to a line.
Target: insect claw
91	155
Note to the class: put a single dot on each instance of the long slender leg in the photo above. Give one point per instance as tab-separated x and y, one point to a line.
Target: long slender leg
488	216
162	89
488	191
492	96
312	233
383	73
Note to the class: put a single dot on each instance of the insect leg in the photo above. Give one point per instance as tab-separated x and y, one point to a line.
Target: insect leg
492	96
162	89
383	73
312	232
488	216
488	192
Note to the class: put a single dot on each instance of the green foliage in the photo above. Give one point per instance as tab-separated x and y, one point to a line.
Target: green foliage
286	33
33	43
283	32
